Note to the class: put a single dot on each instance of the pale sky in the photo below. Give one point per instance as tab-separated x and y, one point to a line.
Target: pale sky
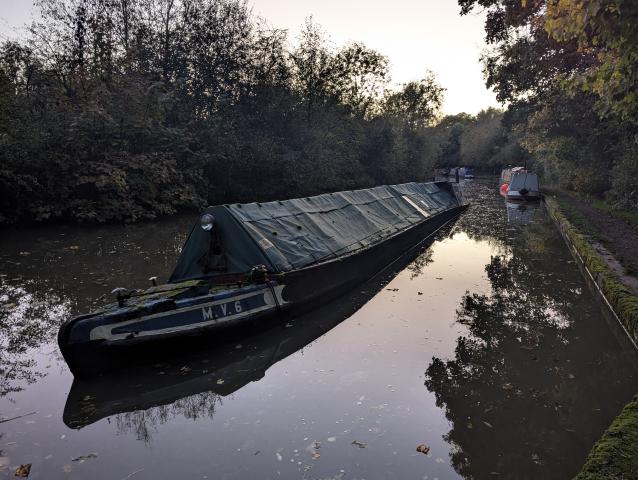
415	35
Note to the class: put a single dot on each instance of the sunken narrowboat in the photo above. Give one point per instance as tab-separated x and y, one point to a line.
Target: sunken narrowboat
243	263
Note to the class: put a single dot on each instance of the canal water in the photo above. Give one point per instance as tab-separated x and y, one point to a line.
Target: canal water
488	349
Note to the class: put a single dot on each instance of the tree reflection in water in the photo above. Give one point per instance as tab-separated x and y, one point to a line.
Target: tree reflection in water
29	316
522	394
144	422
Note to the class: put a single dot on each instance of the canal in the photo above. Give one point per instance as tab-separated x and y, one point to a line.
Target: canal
488	349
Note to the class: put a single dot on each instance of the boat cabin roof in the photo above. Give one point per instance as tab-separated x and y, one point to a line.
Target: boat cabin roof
521	180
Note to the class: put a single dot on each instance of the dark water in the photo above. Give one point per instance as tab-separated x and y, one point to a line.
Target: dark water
488	348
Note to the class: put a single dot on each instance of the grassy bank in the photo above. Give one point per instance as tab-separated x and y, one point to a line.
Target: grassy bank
615	455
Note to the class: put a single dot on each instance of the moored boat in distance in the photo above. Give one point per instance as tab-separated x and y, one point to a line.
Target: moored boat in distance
516	183
245	263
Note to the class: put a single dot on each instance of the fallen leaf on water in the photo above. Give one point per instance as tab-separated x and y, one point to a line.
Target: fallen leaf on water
220	381
487	424
423	448
23	470
84	457
359	444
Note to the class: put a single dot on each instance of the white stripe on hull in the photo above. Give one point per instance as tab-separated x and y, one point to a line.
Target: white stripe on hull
104	332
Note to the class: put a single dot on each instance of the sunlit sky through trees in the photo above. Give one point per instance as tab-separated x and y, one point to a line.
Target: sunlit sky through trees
415	35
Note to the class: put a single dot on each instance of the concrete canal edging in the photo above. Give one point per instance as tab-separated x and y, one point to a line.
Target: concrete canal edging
615	455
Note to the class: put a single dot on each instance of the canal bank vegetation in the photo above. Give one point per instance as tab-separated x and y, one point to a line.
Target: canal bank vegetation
615	455
123	111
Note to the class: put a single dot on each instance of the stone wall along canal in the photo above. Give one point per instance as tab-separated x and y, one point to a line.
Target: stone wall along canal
488	348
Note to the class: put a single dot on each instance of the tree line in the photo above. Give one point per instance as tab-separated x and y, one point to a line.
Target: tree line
123	110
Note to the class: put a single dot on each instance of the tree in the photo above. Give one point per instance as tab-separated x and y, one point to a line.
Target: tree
417	104
608	31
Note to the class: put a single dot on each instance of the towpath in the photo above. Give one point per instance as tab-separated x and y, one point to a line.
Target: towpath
615	235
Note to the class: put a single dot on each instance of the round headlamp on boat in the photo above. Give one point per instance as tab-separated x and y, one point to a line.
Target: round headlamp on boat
207	221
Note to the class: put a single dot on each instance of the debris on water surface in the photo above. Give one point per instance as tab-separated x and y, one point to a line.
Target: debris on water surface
23	470
360	444
313	448
133	473
279	457
423	448
332	439
84	457
392	289
4	420
420	293
220	381
487	424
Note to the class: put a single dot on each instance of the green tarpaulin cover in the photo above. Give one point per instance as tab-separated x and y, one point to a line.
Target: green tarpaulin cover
292	234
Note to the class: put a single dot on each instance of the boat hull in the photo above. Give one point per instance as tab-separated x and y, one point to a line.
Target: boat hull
203	319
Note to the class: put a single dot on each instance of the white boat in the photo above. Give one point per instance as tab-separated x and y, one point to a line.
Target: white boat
519	184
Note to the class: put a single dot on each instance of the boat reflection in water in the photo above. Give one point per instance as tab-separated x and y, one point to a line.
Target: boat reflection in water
216	372
521	213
